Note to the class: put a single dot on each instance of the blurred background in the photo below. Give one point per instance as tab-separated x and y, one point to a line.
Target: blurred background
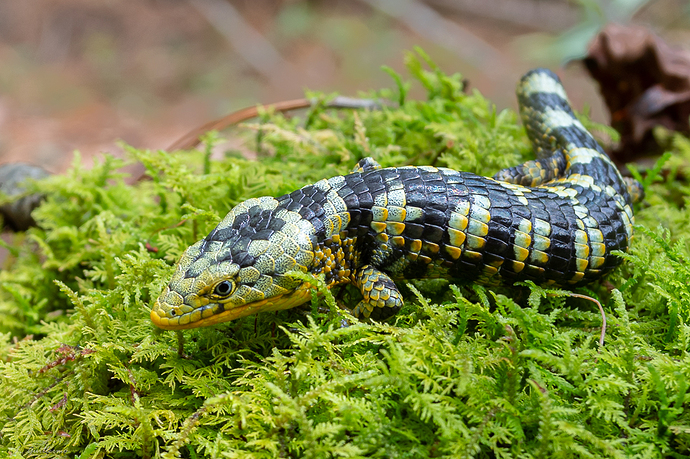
80	75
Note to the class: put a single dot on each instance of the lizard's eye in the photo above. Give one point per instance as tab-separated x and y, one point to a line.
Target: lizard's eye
223	289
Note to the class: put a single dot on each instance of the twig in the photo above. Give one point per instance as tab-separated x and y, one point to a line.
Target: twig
245	39
601	310
555	16
191	139
431	25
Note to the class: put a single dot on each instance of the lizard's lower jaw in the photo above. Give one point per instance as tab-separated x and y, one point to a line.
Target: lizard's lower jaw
229	312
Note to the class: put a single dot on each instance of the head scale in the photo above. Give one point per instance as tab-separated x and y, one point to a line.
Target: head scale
239	268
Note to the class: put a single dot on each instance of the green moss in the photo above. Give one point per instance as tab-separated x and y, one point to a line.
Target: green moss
462	371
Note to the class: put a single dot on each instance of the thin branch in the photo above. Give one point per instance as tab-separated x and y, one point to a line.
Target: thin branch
192	138
244	39
601	310
428	23
555	16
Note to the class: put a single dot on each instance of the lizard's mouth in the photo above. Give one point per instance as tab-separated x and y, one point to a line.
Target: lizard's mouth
214	313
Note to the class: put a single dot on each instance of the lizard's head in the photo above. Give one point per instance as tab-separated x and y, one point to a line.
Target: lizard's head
239	268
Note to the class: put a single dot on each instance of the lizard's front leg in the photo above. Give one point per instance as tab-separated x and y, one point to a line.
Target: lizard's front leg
380	296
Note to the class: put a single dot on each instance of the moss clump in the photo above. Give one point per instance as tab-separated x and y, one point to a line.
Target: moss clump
462	371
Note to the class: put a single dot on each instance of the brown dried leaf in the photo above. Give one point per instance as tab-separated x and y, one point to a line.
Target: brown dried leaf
645	83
